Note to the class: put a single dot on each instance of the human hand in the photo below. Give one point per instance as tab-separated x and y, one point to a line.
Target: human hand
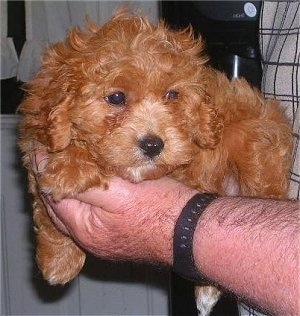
126	222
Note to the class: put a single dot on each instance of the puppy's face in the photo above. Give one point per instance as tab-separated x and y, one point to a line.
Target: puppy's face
129	92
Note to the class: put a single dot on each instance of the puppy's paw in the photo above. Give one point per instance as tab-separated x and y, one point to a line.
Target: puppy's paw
71	172
69	181
59	259
206	298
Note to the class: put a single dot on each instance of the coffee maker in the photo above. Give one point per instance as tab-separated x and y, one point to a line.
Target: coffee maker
229	28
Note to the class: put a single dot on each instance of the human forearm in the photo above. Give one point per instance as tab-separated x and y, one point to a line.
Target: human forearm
251	247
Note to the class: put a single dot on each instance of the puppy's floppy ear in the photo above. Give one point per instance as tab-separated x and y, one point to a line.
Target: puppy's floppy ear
59	126
207	125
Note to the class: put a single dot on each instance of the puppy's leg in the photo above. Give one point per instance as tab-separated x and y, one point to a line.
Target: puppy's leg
206	298
58	257
67	173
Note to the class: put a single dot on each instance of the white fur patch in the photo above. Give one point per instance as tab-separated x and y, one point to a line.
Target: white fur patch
136	174
230	186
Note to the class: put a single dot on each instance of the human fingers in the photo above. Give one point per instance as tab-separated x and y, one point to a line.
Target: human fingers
67	214
91	228
39	159
55	210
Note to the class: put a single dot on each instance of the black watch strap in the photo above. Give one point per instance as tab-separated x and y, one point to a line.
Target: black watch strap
183	259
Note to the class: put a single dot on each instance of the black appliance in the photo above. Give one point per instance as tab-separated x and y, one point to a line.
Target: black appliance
230	30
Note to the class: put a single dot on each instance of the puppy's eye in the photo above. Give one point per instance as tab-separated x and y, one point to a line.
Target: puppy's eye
172	95
116	98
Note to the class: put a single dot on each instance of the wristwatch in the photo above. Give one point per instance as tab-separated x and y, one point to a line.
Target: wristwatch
183	259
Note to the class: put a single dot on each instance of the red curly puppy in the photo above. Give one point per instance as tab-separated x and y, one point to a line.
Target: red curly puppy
139	101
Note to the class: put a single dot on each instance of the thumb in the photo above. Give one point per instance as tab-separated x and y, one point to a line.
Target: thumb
110	199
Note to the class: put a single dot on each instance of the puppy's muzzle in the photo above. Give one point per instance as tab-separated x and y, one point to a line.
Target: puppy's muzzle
151	145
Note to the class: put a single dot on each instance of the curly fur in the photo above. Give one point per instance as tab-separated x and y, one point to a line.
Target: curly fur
215	131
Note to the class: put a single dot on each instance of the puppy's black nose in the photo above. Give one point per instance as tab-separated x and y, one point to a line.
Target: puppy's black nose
151	145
